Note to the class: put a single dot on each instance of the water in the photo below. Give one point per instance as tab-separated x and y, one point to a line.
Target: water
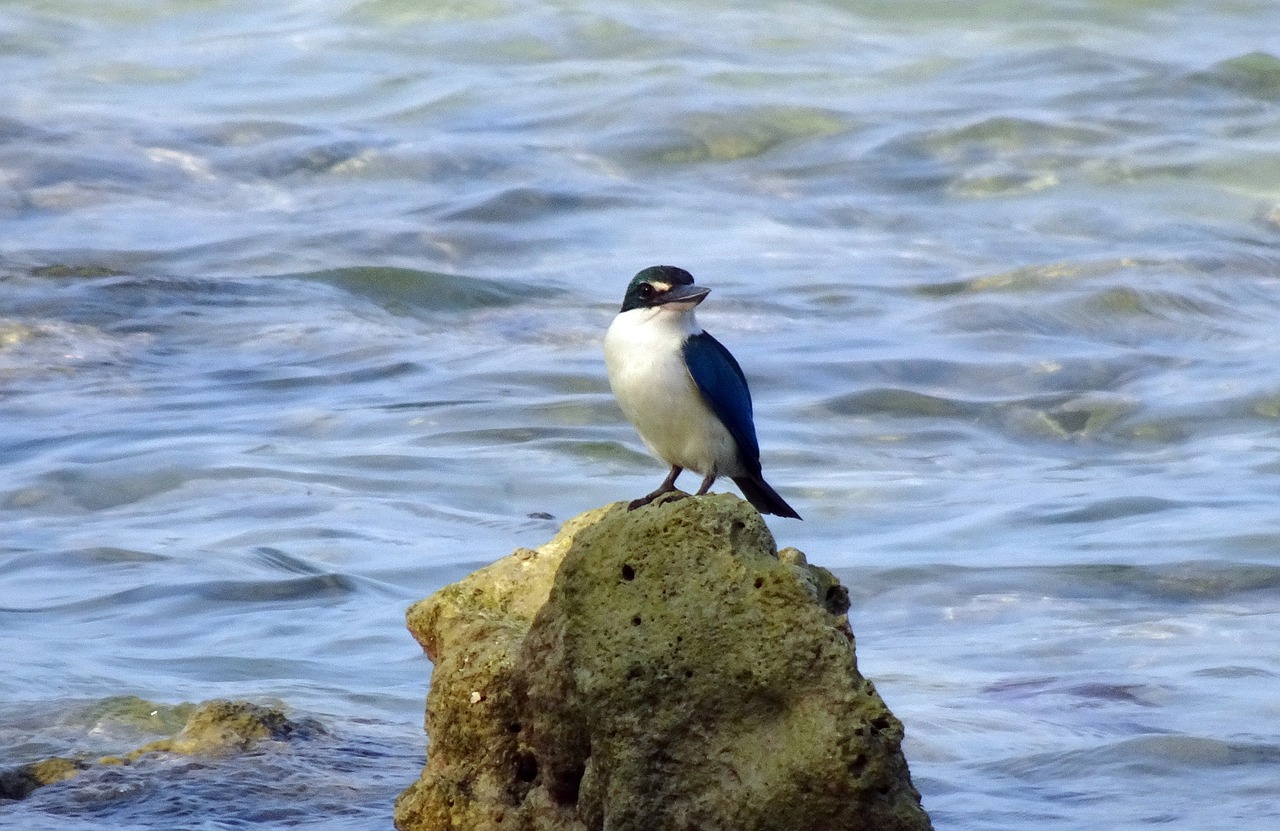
300	320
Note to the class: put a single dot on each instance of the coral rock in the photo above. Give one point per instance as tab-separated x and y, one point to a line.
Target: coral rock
662	669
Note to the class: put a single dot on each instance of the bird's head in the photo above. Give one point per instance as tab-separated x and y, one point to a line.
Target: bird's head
663	287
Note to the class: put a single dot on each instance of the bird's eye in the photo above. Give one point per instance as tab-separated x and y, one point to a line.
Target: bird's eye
645	291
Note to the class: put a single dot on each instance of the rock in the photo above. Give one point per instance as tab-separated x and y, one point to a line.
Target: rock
472	632
664	669
213	728
22	781
217	728
129	714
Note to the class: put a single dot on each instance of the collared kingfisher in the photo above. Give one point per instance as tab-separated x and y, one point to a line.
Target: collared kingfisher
683	391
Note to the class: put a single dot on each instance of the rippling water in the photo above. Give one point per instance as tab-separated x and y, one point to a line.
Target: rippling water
300	319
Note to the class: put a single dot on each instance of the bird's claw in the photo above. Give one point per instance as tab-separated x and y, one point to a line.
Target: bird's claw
672	495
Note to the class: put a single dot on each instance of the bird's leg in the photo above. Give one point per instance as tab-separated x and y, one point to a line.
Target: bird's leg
706	484
668	485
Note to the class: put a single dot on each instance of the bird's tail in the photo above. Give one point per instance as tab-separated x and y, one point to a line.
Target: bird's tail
764	498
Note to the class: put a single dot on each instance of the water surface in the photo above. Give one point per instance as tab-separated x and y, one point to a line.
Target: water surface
300	320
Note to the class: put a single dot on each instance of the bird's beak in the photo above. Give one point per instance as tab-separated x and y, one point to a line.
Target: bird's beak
686	296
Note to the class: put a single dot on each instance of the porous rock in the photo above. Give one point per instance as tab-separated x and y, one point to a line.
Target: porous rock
663	669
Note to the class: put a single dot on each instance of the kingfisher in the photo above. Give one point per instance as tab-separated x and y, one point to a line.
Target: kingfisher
683	391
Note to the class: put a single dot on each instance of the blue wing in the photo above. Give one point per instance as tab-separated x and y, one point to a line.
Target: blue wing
724	388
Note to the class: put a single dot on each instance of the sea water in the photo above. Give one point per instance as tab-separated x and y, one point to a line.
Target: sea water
301	309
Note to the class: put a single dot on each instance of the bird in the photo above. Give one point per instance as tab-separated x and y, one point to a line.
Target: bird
683	390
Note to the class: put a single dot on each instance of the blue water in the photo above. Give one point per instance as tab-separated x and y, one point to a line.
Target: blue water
300	320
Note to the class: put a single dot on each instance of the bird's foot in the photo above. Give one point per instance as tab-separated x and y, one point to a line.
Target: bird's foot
672	495
668	486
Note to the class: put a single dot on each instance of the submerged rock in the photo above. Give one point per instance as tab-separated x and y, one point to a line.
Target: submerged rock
22	781
664	668
129	714
216	728
212	728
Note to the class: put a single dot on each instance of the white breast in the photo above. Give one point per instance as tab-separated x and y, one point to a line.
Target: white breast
644	357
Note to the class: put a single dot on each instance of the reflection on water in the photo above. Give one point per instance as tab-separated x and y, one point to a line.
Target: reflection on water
300	319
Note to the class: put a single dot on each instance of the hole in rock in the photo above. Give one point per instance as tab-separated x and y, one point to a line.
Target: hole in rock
635	621
526	767
564	790
837	600
628	573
